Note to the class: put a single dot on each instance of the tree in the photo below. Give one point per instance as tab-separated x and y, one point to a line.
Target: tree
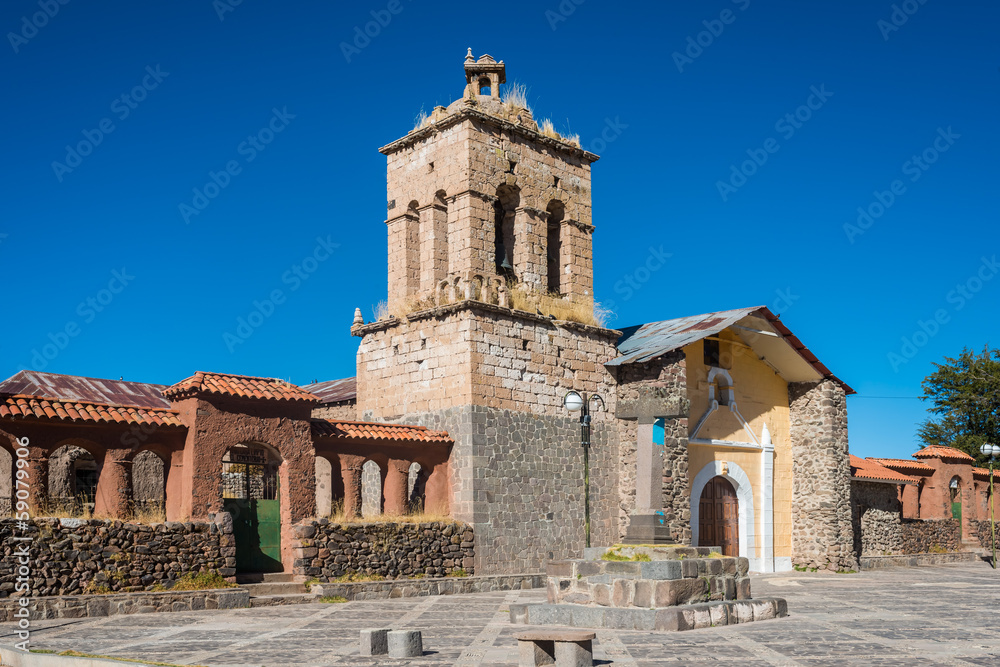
966	397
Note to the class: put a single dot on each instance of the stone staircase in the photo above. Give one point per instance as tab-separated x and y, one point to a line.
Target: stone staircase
275	588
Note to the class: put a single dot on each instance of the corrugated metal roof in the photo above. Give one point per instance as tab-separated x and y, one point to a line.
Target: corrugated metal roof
89	390
646	342
334	391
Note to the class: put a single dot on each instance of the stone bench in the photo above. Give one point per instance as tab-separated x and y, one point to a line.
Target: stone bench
562	648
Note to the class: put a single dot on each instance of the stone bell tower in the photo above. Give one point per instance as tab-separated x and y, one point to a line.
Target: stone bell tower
478	194
487	211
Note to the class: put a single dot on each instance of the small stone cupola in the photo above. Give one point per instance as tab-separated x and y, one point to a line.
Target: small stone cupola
482	74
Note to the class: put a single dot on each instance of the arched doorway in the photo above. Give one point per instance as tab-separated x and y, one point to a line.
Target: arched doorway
955	494
250	494
718	517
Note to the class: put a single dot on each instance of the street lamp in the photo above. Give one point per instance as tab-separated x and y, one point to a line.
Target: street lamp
992	451
575	401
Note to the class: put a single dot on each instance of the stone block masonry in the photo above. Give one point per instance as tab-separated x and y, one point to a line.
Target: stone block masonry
932	536
876	513
822	531
392	550
68	554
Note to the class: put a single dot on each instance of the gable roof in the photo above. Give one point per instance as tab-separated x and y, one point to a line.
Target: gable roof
33	407
238	386
942	452
338	428
869	470
646	342
334	391
907	466
84	389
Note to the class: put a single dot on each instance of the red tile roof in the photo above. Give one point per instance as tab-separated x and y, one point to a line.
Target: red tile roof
239	386
984	474
908	466
22	406
336	428
334	391
941	452
867	469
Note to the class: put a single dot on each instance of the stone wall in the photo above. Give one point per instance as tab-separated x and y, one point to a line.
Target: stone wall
984	532
822	531
667	374
67	554
876	515
345	411
931	536
392	550
95	606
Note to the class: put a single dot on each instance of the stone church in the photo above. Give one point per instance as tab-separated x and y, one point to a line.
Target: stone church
713	429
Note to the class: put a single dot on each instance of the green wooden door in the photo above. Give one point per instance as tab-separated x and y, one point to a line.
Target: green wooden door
250	495
956	510
257	533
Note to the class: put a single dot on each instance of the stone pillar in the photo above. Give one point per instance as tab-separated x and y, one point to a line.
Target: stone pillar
114	486
766	531
38	481
173	486
433	246
648	524
822	531
395	487
437	490
350	471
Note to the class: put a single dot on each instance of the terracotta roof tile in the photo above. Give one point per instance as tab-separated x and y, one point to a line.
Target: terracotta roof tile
867	469
336	428
36	407
239	386
908	466
941	452
984	474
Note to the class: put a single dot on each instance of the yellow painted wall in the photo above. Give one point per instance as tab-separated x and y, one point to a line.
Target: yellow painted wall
761	396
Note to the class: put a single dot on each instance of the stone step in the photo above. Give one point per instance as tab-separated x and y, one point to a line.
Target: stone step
604	571
277	600
654	552
268	577
276	588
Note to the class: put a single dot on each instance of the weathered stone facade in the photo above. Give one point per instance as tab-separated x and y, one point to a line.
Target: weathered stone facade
876	515
984	532
392	550
67	554
494	379
822	530
931	536
117	604
667	375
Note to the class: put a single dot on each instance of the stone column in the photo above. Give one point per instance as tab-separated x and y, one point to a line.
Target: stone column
114	486
767	503
395	487
648	524
350	471
822	530
38	480
173	485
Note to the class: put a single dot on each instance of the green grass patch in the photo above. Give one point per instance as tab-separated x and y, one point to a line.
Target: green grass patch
356	577
199	581
459	572
332	599
614	555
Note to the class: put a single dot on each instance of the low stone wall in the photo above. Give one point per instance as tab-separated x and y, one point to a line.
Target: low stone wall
983	532
931	536
392	550
408	588
876	514
916	560
66	555
81	606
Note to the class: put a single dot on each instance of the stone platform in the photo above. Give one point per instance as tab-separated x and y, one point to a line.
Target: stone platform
649	588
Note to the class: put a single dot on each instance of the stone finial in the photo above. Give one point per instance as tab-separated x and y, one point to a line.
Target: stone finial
469	58
358	319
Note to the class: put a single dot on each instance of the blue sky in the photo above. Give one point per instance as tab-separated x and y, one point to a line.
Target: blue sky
836	106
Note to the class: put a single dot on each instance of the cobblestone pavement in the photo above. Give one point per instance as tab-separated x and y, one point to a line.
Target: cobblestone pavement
942	615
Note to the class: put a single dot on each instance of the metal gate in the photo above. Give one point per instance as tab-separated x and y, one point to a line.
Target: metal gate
250	494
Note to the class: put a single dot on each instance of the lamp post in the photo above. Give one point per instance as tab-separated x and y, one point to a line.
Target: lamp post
992	451
575	401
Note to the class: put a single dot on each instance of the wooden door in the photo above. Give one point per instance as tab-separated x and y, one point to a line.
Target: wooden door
718	517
